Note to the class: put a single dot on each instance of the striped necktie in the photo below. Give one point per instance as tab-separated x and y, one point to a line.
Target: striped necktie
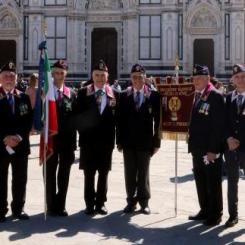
11	102
239	102
137	100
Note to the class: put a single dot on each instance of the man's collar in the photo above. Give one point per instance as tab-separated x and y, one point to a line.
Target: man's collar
7	92
235	95
61	89
96	88
202	91
141	90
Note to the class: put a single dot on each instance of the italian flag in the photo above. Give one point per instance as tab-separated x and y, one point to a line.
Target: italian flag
49	114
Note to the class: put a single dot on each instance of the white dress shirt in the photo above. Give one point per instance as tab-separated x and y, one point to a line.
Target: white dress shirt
103	98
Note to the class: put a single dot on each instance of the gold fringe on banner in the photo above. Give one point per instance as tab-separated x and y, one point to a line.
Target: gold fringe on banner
173	136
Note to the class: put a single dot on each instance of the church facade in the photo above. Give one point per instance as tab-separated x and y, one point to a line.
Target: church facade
124	32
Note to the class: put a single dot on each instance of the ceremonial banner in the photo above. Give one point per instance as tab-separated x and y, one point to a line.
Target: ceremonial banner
49	108
177	100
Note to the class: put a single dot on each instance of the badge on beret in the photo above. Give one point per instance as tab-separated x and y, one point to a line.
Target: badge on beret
101	66
137	68
238	68
11	65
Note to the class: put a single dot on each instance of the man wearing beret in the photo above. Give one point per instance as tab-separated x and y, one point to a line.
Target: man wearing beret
138	137
96	108
206	137
235	140
59	164
15	126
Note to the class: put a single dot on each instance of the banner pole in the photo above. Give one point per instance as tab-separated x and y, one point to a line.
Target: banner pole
176	176
45	182
45	107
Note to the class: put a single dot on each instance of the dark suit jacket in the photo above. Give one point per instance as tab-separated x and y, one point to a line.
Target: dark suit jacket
206	129
96	131
65	140
235	123
139	129
19	123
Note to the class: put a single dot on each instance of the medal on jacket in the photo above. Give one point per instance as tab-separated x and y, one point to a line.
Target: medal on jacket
207	109
23	109
204	109
68	105
112	104
150	109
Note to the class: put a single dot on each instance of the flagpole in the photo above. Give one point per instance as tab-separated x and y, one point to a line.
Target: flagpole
45	171
176	149
176	177
45	141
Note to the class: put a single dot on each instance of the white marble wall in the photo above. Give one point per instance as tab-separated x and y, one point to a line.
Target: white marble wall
81	21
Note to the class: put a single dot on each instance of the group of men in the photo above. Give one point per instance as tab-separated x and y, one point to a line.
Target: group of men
129	119
101	116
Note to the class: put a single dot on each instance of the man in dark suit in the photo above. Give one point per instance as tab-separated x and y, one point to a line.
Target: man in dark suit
206	137
96	105
15	126
138	137
235	139
59	164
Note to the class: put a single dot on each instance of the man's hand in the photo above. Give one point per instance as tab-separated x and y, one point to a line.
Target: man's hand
211	156
11	140
233	143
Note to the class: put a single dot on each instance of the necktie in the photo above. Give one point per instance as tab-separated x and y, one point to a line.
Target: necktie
137	100
197	98
98	96
239	102
11	102
59	98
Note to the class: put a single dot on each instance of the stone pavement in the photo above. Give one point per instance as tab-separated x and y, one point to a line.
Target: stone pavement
161	227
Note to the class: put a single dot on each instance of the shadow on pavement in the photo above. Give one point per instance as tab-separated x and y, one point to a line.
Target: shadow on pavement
119	226
183	179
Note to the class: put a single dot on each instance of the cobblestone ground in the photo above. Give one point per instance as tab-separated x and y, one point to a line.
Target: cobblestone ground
161	227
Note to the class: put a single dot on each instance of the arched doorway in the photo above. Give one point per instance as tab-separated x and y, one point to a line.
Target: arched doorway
104	46
204	53
8	51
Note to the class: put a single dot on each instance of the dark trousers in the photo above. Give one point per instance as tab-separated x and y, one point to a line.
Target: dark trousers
208	180
234	160
91	196
58	169
19	180
136	171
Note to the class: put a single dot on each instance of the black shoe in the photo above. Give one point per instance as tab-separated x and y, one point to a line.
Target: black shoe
62	213
89	211
2	218
145	210
199	216
212	221
21	216
101	210
231	222
129	209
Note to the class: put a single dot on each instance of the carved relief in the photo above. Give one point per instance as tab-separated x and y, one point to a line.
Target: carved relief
7	22
104	4
204	19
